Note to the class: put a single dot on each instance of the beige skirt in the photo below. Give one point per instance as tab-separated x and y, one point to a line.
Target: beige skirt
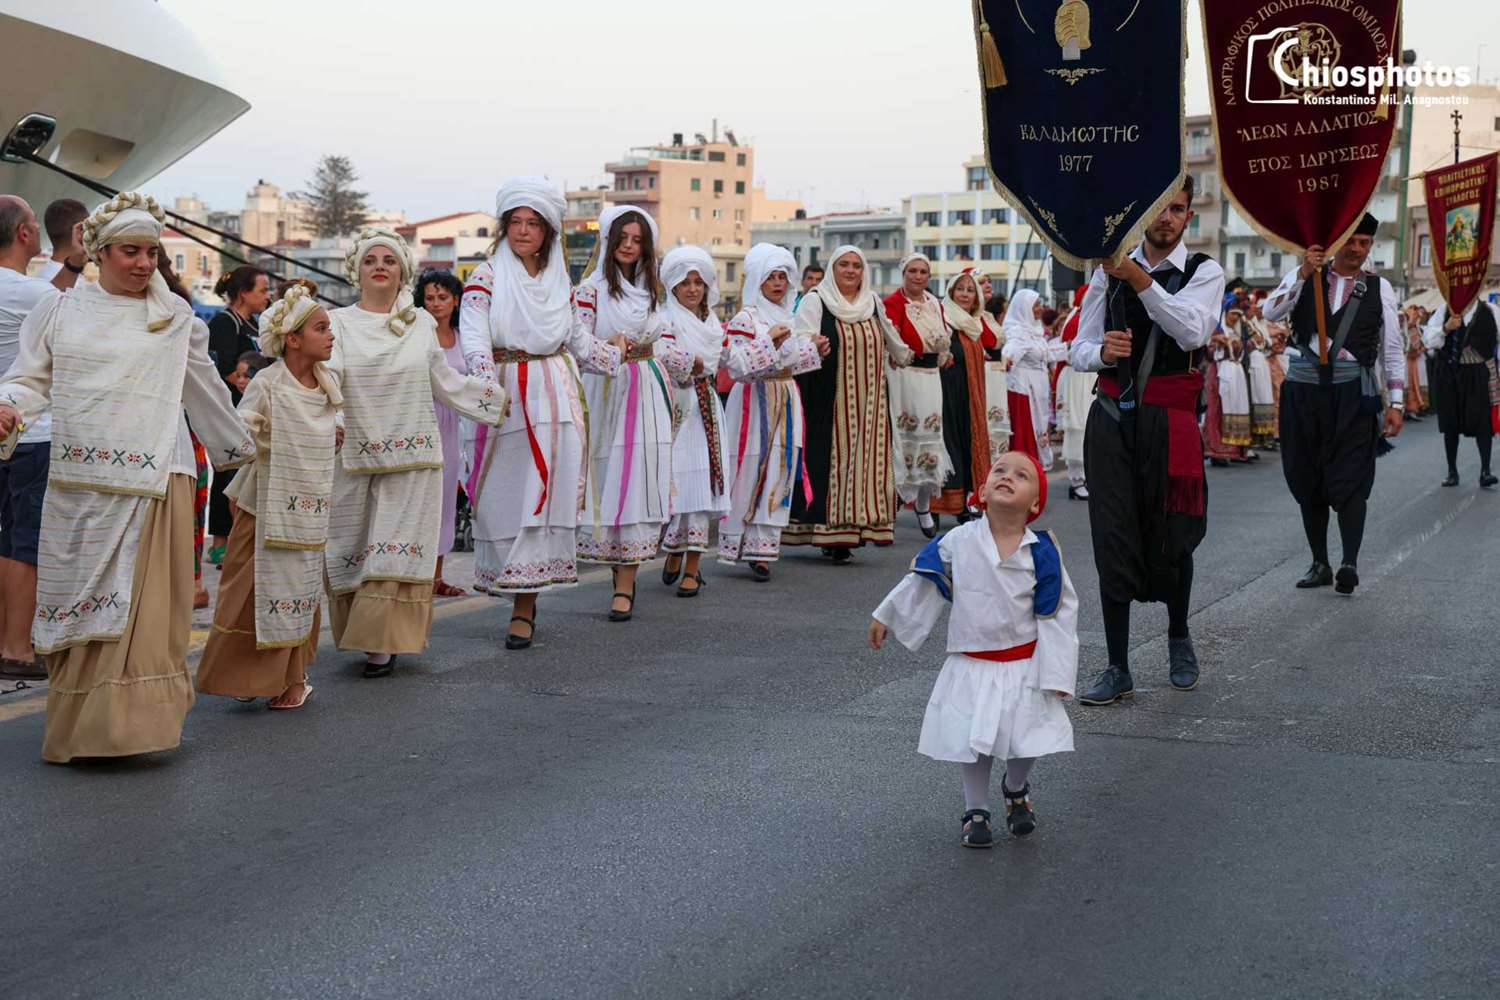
118	697
382	616
232	664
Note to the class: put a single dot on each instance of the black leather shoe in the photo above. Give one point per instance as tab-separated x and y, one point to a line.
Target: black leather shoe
977	831
842	556
1318	575
1020	820
928	530
760	572
514	641
1346	579
373	670
622	616
1452	479
1184	663
1113	684
1487	481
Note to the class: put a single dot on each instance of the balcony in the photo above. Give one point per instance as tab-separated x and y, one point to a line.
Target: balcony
644	196
1204	155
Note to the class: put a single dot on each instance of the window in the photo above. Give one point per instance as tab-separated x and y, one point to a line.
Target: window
635	183
962	217
1276	262
994	251
1424	251
651	180
695	213
718	213
1193	226
739	187
482	231
960	251
1497	123
695	184
928	250
929	218
996	216
739	215
1239	263
715	157
739	159
1197	143
718	187
717	240
203	263
180	264
876	245
1032	251
977	179
729	271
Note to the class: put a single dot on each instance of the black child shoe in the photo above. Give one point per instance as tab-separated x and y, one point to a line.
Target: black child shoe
1347	579
1318	575
1113	684
1019	818
977	831
1184	663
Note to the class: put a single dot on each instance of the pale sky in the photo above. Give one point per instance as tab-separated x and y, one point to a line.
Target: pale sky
847	104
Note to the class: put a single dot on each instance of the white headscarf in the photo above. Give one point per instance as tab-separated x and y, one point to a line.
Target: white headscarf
631	312
131	217
703	337
1019	323
972	325
285	317
531	314
901	267
403	312
763	260
864	305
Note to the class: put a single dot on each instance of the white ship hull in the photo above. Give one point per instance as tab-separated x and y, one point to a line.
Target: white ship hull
131	90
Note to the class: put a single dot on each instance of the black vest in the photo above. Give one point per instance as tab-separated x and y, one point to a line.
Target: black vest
1365	335
1478	333
1124	310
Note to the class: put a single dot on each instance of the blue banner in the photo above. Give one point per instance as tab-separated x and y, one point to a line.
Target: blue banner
1083	108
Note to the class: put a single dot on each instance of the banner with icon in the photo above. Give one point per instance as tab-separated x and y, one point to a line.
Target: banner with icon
1461	218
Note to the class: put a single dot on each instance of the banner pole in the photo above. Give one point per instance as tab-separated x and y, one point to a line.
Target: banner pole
1319	304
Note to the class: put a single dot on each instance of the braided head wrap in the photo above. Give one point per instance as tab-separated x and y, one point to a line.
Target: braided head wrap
132	217
403	312
285	317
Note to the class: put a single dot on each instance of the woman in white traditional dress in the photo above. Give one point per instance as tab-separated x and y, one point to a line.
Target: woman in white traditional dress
519	327
921	457
630	415
764	420
387	494
265	631
1075	397
440	293
118	363
1031	355
690	349
1257	346
848	497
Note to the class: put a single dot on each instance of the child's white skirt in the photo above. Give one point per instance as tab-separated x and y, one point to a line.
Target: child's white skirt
979	707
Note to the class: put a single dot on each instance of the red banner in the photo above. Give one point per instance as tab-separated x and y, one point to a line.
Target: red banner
1301	119
1461	216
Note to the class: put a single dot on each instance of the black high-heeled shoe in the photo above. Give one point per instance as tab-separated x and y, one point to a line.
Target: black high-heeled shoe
668	574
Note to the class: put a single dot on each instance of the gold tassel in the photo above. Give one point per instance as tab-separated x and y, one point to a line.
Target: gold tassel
989	58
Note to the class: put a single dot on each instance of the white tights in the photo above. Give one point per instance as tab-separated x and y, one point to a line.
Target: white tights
977	779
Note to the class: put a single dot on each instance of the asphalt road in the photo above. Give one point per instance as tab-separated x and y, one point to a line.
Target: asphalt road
723	798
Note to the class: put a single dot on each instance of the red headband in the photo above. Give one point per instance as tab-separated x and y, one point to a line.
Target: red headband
1041	486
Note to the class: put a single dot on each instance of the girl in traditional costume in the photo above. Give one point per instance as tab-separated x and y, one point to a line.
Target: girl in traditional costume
118	362
1030	354
919	449
265	631
440	292
1012	644
966	419
764	419
519	328
630	415
1226	422
690	350
387	494
850	491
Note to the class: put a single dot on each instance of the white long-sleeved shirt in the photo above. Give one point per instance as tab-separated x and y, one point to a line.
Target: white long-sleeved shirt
1188	317
1433	334
1279	305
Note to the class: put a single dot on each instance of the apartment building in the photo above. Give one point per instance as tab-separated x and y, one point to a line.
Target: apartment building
958	229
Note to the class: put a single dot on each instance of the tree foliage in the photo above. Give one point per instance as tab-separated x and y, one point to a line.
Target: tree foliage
337	208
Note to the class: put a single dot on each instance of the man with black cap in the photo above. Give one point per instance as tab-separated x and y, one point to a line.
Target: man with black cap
1331	412
1143	326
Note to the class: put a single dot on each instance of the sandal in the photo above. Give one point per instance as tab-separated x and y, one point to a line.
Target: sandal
442	588
23	670
307	692
760	571
668	574
682	589
513	641
1019	818
623	616
977	831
